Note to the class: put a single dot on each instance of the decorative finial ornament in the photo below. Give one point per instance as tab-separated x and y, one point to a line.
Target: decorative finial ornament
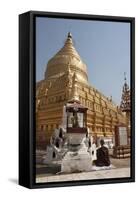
69	40
69	35
125	76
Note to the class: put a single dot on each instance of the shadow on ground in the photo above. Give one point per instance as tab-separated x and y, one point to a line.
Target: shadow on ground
13	180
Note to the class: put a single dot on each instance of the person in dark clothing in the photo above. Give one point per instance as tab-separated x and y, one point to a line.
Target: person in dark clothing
60	133
102	155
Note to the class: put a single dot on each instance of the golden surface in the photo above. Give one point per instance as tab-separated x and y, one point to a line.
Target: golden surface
66	78
66	58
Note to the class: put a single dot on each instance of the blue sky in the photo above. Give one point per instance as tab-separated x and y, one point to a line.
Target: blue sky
103	46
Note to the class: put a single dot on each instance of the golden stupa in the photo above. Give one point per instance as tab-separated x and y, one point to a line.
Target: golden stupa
67	59
56	89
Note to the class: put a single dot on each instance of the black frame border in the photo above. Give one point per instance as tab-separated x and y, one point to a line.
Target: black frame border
27	81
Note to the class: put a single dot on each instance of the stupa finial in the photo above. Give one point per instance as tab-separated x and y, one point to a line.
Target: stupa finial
125	76
69	35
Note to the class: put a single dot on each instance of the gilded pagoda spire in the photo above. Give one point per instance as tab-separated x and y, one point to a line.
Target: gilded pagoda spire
59	62
69	39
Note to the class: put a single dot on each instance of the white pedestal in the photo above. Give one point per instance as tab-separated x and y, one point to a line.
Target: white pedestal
76	161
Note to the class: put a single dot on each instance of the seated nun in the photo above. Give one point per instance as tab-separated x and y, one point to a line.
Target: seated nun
102	155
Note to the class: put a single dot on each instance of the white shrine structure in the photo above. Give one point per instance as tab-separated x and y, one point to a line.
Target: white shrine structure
72	144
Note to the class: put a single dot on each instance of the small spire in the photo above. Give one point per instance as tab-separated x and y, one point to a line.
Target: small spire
74	96
69	35
69	40
125	76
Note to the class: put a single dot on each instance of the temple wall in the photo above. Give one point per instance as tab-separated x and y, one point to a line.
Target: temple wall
102	114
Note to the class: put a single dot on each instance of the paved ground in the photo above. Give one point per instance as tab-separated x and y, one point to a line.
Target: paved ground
120	163
121	168
103	174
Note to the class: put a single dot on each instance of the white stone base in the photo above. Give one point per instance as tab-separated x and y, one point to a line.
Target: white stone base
76	162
